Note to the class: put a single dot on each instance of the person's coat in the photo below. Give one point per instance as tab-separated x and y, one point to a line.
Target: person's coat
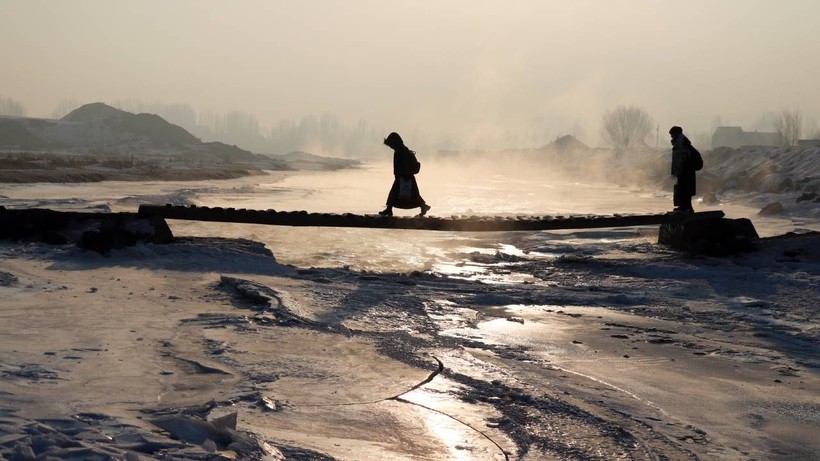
682	166
404	163
404	166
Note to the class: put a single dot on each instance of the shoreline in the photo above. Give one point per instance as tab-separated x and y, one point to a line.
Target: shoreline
87	175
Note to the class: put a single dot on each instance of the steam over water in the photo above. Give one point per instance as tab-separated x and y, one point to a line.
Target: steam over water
450	189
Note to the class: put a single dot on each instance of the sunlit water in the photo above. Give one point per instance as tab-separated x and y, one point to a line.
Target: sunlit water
450	189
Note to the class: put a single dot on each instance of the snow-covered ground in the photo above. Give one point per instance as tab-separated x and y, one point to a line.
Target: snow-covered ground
374	344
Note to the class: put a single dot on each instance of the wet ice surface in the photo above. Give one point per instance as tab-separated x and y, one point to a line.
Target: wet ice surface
376	344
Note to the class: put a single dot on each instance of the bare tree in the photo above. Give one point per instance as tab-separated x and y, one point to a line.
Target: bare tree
789	126
9	106
624	126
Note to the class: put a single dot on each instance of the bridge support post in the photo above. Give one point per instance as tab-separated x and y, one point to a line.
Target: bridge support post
90	230
706	233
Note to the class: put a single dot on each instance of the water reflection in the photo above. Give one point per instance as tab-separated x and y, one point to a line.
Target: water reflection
464	437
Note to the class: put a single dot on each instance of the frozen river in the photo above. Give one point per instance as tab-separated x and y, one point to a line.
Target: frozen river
450	189
516	345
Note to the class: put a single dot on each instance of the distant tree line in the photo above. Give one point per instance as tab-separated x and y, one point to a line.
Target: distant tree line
325	133
630	126
9	106
623	127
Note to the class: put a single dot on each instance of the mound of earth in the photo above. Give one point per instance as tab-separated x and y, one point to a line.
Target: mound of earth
99	128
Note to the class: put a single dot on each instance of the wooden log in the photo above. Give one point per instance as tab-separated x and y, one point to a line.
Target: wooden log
453	223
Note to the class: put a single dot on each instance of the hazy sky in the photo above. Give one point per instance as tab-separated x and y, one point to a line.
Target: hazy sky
459	67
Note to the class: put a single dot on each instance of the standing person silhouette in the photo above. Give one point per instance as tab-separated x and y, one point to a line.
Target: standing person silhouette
685	161
405	191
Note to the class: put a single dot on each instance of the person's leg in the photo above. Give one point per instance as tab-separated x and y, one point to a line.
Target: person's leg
688	191
676	197
418	200
687	205
391	199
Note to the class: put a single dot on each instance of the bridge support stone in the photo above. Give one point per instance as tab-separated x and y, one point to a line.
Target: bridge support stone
91	231
708	234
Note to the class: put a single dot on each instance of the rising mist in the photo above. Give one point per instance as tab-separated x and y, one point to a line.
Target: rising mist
460	75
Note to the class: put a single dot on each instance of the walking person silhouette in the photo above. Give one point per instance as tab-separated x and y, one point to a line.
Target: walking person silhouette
405	190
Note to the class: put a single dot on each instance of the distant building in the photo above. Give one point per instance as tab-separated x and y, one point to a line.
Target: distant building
734	136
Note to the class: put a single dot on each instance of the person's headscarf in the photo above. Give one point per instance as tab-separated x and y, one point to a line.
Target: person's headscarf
393	140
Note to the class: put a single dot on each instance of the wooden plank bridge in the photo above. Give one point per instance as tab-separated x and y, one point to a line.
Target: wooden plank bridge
453	223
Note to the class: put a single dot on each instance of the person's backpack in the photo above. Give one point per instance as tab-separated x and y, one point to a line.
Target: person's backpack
695	159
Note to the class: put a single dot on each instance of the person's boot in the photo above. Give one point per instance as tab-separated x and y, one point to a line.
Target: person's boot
424	209
387	211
